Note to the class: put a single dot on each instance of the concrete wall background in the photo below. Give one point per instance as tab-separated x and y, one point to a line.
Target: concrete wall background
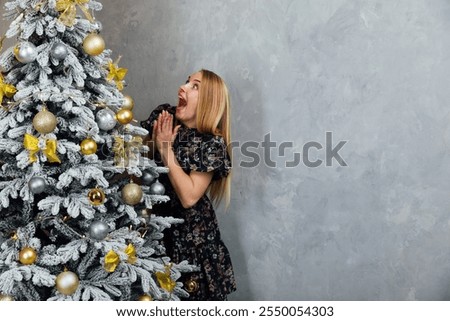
375	73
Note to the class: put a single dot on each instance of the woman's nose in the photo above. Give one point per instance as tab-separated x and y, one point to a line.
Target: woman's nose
185	87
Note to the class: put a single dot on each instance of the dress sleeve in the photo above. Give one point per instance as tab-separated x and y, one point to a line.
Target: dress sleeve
210	155
148	124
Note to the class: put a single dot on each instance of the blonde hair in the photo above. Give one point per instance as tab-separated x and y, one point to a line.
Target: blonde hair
213	117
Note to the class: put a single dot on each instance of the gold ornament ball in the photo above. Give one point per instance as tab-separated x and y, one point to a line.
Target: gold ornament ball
44	122
128	102
88	146
145	297
96	196
67	283
27	256
4	297
93	44
191	286
124	116
132	194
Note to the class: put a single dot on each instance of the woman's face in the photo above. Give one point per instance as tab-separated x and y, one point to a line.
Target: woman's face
188	100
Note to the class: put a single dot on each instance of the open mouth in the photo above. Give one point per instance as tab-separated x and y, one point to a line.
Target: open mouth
181	102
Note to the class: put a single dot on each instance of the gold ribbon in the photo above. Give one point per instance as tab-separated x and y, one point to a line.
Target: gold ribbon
31	143
117	75
6	89
126	151
131	252
164	279
69	11
112	260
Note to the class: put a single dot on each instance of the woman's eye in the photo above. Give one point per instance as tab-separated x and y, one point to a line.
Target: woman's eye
195	86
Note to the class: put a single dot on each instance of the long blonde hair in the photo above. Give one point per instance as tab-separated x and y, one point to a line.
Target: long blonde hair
213	117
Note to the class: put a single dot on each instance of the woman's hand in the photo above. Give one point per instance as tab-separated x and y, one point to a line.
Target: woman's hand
189	187
163	132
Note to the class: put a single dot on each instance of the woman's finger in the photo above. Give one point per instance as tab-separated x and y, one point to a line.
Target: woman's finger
163	118
169	123
163	123
155	125
175	132
160	120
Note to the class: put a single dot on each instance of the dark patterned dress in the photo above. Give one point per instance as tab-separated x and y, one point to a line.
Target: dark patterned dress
197	240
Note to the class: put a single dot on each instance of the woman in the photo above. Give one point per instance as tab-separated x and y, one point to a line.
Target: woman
192	140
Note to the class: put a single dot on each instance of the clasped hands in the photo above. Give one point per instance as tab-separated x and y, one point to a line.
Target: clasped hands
163	132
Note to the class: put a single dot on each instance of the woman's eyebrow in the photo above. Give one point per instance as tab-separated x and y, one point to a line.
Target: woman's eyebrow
189	79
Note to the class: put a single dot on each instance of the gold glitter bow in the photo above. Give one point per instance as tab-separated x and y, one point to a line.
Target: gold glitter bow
164	279
116	74
69	11
126	151
31	143
6	89
112	259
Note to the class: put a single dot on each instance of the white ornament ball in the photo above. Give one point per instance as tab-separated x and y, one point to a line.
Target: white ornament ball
25	52
106	119
98	230
59	51
67	283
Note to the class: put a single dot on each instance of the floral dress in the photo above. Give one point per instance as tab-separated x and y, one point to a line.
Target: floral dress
197	240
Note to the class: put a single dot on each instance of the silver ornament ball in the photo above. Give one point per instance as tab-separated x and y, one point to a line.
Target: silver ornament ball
37	185
157	188
98	230
147	178
25	52
106	119
59	51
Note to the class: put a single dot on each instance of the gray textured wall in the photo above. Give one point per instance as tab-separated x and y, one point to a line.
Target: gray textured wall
374	73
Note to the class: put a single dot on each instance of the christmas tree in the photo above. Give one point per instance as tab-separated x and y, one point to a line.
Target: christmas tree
73	223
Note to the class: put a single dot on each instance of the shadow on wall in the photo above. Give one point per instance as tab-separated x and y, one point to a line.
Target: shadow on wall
247	121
